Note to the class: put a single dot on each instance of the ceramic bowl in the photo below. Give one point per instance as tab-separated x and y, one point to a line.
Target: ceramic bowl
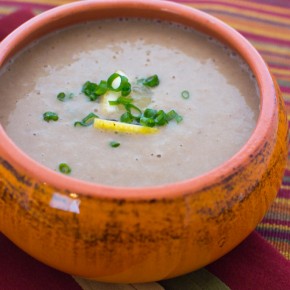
119	234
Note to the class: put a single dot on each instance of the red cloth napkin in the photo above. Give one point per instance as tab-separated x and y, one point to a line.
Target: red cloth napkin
254	264
12	21
18	271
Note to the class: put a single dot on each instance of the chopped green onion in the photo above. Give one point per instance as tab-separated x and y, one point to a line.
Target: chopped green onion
151	81
89	89
127	117
50	116
185	94
126	89
114	144
127	103
121	101
151	118
178	119
114	103
93	90
63	97
123	83
150	113
161	118
119	83
111	79
173	115
129	108
87	121
101	88
148	122
64	168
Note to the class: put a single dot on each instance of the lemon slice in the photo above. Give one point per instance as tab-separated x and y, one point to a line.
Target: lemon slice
123	127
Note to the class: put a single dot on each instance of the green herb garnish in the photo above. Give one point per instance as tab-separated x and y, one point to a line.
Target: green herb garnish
185	94
172	115
64	168
124	86
133	115
121	101
127	117
148	122
151	118
87	121
130	107
149	113
93	91
126	89
114	144
151	81
161	118
50	116
101	88
63	97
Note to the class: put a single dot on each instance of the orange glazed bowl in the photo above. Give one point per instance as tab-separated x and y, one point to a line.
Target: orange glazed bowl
122	234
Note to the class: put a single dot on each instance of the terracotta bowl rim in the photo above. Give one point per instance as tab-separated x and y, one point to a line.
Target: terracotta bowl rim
64	183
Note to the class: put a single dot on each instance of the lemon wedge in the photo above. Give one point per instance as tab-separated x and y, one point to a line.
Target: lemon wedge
123	127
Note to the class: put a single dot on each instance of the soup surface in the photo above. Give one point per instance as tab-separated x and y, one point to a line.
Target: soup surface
218	117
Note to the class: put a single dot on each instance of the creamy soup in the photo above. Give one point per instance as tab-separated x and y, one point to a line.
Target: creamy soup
218	116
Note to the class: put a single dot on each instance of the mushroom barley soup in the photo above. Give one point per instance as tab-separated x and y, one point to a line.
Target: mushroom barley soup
128	102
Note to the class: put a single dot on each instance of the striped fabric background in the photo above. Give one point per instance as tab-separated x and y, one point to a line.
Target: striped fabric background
266	24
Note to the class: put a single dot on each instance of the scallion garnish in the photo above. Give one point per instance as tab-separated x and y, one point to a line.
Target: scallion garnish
93	90
127	117
129	107
119	83
87	121
114	144
89	90
185	94
178	118
150	113
172	115
63	97
151	81
126	89
149	118
64	168
50	116
112	80
161	118
101	88
121	101
148	122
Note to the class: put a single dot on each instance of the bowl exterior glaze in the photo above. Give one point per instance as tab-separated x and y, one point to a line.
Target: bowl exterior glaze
148	234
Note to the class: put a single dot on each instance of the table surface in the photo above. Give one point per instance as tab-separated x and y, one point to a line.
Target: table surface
264	257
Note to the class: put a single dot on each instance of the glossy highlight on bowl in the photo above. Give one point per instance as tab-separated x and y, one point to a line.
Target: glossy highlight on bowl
119	234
